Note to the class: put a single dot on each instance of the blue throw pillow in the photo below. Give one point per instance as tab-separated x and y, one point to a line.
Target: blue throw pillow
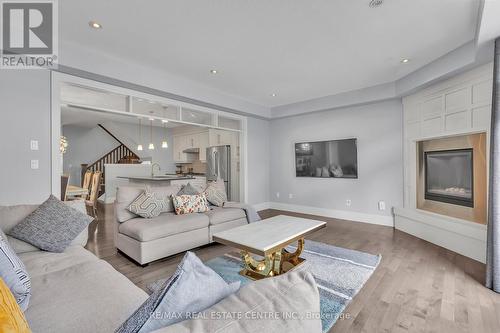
193	288
14	273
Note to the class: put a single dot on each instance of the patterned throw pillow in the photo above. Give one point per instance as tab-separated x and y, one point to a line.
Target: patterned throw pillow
147	205
216	193
186	204
14	273
52	226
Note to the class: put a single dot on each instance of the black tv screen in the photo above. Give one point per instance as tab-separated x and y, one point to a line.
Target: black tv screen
327	159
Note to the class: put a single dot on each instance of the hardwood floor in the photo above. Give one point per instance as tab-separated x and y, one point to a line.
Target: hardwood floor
418	286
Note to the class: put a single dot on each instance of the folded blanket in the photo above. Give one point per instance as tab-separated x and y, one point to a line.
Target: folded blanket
252	215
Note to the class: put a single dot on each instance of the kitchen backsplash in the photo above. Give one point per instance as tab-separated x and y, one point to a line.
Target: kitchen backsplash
197	166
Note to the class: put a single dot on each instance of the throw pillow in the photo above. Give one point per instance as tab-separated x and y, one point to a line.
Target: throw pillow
14	273
216	194
11	317
165	193
52	226
193	287
147	205
188	190
187	204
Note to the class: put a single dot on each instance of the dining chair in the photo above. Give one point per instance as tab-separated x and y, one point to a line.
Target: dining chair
64	186
94	193
87	178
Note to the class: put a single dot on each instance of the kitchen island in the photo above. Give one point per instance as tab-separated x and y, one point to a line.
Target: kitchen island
158	180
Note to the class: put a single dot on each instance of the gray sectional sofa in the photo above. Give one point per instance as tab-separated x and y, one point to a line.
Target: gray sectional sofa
146	240
76	292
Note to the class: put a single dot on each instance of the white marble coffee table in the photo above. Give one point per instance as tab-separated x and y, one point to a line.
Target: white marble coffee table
268	238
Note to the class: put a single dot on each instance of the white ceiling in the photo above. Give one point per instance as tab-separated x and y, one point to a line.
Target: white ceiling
299	50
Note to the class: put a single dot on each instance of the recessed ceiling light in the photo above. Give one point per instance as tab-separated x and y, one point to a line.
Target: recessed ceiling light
95	25
405	61
213	71
273	95
376	3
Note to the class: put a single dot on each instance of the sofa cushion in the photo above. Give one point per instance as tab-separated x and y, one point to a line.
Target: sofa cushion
292	293
219	215
52	226
192	288
90	296
12	215
166	224
42	262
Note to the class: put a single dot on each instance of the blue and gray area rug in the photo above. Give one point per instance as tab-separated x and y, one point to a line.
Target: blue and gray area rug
339	273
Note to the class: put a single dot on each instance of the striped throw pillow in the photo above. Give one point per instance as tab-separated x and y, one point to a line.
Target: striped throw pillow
14	273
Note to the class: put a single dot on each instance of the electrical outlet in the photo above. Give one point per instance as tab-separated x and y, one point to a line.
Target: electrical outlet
381	205
34	164
290	195
34	144
277	194
348	203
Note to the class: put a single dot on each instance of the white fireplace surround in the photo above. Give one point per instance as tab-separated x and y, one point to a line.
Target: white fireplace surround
458	106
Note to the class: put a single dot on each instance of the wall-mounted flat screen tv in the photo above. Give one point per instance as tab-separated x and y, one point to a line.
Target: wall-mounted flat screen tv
327	159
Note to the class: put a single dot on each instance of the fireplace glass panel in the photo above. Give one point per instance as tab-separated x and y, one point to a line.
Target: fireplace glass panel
449	176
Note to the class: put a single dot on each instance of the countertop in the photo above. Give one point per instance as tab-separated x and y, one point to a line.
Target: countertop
158	178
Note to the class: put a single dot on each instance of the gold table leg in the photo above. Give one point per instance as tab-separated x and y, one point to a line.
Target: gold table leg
272	264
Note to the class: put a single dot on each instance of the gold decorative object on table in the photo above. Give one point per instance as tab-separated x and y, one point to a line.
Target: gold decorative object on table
268	239
272	264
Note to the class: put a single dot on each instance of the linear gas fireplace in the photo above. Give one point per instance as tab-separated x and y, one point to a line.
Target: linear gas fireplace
449	176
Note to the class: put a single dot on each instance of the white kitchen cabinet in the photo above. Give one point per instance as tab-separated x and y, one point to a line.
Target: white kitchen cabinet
203	143
180	144
220	137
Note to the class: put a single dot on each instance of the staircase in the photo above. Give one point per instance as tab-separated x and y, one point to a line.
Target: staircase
119	155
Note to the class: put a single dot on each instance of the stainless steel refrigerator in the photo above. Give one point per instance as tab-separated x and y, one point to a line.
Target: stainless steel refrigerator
219	166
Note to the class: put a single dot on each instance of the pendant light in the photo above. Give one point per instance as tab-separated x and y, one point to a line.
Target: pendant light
151	145
139	146
164	143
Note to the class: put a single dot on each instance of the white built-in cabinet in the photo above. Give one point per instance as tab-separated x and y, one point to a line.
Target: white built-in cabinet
212	137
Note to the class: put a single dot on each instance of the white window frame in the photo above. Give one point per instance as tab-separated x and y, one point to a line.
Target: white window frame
60	79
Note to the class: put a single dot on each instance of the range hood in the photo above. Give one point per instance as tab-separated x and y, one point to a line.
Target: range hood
191	151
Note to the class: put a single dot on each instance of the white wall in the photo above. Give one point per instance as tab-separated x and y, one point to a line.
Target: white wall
258	152
25	115
378	128
86	145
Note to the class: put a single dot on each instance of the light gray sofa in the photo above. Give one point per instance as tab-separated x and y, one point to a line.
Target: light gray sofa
74	291
146	240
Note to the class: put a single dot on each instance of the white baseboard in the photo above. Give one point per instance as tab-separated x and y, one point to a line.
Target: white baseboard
262	206
333	213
